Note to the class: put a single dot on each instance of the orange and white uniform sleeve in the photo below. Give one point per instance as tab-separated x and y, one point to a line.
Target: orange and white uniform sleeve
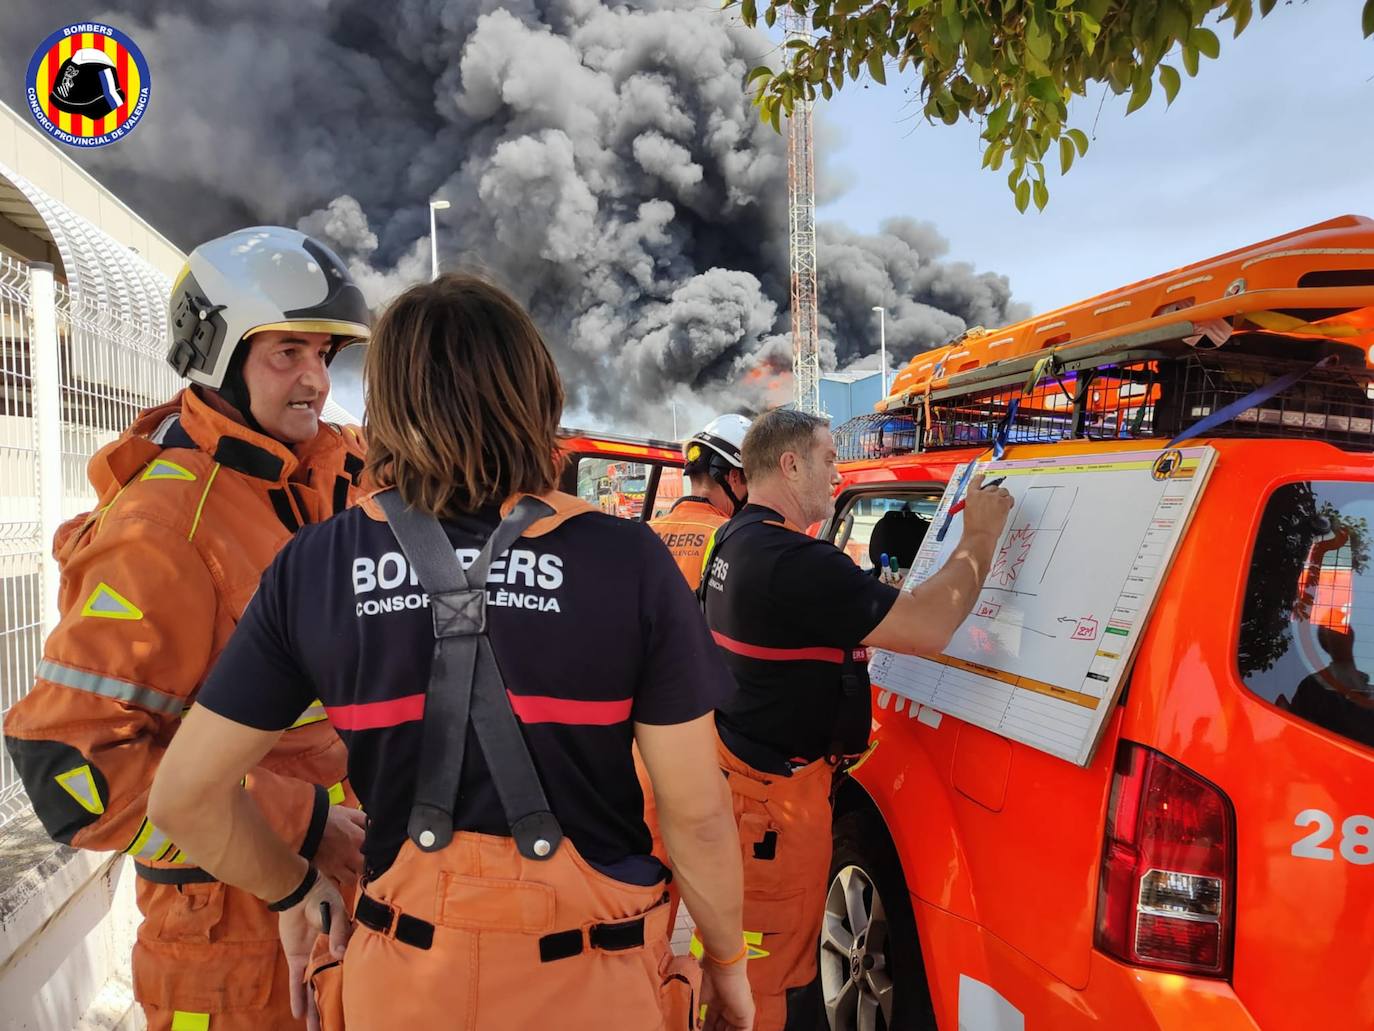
139	630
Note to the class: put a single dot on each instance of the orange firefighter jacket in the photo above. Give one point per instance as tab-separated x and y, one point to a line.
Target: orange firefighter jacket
192	508
687	530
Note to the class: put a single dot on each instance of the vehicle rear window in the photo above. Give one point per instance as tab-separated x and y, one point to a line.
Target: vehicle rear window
1307	633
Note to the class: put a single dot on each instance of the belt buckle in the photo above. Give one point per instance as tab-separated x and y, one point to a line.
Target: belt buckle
393	917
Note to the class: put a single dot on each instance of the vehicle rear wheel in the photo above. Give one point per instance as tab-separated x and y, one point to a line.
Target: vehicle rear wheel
871	974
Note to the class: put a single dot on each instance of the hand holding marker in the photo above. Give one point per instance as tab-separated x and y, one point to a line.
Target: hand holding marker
958	506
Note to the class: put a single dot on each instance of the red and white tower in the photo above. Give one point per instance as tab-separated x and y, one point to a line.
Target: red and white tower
801	213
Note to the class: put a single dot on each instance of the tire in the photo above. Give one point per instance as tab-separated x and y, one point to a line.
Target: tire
880	984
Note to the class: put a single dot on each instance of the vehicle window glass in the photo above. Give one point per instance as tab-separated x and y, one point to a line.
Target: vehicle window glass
618	486
1307	631
900	522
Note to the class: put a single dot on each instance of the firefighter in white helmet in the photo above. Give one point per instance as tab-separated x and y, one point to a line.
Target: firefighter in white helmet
718	490
195	499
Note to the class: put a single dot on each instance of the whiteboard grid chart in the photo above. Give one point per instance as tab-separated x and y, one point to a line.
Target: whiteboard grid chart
1043	655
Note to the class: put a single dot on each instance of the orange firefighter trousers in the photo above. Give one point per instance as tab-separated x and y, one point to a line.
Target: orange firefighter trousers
784	833
492	963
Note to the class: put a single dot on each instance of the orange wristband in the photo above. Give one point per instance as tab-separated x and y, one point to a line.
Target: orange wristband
743	951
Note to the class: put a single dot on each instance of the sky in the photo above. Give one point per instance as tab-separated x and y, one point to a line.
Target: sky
1275	135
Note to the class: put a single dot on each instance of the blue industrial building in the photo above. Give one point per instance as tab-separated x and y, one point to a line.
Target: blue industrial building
847	394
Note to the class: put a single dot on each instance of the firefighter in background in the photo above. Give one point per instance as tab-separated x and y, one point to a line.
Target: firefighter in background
794	617
715	471
195	499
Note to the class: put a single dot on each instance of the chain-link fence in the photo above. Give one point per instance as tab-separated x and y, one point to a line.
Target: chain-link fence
72	377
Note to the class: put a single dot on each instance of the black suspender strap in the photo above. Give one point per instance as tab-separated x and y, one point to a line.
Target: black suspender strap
466	687
724	532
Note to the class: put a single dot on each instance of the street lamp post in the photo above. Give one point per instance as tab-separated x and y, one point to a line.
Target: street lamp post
434	205
882	346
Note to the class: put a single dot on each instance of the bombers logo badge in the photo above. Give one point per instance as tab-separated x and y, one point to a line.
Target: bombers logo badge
87	85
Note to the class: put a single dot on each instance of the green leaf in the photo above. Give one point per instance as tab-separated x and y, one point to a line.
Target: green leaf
1042	194
770	16
748	10
949	29
775	119
1190	61
760	72
1205	40
1080	140
1089	28
978	42
1140	93
1173	20
1065	155
1242	11
1367	19
997	121
1044	90
1266	6
827	90
1023	196
1170	80
1038	42
875	68
1142	17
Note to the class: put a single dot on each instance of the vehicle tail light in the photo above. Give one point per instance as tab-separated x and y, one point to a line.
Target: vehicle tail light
1166	896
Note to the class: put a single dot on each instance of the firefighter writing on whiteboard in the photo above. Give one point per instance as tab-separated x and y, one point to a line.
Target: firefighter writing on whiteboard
793	617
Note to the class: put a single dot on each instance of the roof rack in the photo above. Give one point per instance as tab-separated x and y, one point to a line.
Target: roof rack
1248	317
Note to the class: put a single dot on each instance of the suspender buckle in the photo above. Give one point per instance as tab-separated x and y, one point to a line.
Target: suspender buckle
459	613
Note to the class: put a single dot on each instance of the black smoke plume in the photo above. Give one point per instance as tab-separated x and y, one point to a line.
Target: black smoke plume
602	160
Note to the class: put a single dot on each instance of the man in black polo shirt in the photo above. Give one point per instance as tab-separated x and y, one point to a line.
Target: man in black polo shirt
794	618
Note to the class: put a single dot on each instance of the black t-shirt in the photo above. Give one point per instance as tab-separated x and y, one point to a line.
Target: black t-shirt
787	610
592	626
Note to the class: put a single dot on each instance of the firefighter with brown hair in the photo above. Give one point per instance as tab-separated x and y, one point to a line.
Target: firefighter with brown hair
195	499
489	649
794	617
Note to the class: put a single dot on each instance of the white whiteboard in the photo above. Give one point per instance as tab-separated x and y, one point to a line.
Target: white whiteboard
1042	658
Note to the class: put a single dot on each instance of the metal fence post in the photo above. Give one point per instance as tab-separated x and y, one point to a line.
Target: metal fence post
46	367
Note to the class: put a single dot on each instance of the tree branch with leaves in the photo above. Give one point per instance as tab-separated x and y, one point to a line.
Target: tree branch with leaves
1012	64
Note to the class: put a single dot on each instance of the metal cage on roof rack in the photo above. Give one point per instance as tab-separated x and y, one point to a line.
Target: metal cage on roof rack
878	435
1159	395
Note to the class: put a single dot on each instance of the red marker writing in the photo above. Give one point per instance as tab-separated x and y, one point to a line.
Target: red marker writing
958	506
